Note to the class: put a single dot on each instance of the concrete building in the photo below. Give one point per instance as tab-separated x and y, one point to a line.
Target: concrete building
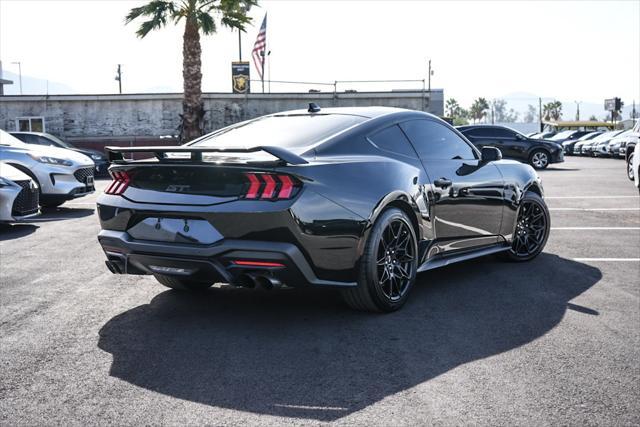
153	115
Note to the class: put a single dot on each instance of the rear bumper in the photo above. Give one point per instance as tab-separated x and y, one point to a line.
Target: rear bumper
213	263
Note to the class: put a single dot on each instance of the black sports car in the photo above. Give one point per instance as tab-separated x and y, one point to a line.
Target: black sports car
360	199
538	153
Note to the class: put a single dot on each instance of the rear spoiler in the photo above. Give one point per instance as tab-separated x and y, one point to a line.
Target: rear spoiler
115	154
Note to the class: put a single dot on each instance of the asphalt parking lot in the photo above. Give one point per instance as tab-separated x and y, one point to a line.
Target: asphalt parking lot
553	341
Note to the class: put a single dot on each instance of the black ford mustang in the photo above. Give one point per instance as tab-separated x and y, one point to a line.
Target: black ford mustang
361	199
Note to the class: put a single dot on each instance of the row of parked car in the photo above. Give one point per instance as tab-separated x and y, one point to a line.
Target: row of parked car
39	170
614	143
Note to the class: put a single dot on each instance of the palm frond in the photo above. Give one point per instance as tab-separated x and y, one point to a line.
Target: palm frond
206	23
159	10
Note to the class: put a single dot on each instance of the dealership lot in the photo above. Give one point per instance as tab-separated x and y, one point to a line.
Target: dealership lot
553	341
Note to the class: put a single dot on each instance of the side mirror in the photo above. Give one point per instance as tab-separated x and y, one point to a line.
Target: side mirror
490	154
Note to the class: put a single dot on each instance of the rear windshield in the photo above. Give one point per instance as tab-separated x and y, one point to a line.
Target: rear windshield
281	131
562	135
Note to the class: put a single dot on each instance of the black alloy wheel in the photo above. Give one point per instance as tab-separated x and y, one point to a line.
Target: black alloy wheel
531	229
388	267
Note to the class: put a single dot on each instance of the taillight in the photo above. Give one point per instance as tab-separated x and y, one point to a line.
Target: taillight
268	186
121	180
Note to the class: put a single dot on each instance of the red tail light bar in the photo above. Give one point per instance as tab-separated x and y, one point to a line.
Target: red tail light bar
267	186
121	180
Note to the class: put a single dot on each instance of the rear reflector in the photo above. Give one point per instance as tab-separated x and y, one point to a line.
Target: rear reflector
121	180
268	186
257	263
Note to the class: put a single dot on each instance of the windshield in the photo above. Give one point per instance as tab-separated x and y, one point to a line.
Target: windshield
60	142
562	135
8	139
607	135
282	131
590	136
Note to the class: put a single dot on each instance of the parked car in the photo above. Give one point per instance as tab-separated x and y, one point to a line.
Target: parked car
635	169
18	195
568	135
544	135
360	199
569	145
61	174
40	138
613	146
628	149
514	145
589	147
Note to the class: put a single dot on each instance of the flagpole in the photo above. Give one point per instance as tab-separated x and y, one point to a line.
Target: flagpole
264	52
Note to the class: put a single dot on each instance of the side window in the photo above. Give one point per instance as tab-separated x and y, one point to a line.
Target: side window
434	141
503	133
30	139
479	133
392	139
45	141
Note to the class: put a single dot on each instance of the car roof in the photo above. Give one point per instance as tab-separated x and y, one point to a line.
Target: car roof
28	133
368	112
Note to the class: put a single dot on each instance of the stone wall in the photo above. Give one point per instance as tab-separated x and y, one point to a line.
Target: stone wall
82	117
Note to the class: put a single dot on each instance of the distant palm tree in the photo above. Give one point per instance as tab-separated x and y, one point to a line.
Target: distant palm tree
200	16
552	110
479	109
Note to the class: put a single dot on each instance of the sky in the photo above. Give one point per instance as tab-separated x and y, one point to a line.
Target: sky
586	51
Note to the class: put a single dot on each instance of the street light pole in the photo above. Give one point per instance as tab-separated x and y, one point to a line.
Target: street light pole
119	78
19	74
578	110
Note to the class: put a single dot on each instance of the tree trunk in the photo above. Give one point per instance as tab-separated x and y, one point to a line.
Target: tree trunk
192	105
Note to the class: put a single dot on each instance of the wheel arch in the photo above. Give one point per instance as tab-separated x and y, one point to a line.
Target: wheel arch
403	202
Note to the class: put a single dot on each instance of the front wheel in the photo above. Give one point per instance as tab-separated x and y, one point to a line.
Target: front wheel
182	284
539	159
388	266
630	171
531	230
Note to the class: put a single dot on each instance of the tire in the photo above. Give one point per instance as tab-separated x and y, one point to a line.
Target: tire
533	223
182	284
388	266
539	159
630	171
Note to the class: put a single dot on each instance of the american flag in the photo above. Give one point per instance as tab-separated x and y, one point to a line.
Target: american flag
258	52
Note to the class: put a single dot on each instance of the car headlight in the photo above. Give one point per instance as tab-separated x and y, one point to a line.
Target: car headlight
97	157
51	160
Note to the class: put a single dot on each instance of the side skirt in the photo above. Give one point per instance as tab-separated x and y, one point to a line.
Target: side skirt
444	260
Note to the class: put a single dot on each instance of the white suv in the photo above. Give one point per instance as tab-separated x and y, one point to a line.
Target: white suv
60	174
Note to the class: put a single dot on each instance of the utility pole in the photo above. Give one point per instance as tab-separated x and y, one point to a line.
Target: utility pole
119	78
540	113
429	74
578	110
240	44
19	74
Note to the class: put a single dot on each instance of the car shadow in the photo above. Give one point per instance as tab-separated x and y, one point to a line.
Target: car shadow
15	231
61	213
302	353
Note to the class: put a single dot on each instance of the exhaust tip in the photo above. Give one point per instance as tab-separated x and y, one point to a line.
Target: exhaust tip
268	283
246	281
113	267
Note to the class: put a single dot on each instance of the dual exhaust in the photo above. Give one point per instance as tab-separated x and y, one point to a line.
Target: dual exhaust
251	280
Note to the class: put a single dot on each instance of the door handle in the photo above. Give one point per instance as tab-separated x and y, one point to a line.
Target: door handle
442	183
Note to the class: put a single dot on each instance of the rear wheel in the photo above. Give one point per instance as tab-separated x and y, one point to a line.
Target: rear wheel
531	230
182	284
388	266
630	171
539	159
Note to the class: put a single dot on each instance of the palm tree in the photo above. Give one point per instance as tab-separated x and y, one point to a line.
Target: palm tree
200	17
479	109
552	110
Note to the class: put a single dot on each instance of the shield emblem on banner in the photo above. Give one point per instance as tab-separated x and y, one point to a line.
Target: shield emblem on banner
240	82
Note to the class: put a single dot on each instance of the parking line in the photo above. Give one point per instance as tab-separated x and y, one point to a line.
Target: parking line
595	228
608	259
591	197
594	209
